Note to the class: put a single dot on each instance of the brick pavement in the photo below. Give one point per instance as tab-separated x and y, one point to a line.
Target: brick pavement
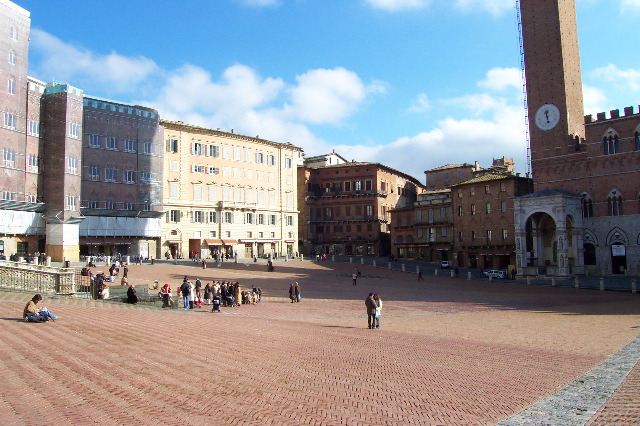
449	352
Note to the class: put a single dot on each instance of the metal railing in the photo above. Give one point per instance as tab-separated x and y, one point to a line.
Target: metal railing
18	276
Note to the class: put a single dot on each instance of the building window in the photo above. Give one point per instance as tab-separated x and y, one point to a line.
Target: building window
9	157
148	148
249	218
94	141
10	120
94	172
74	130
504	234
213	170
611	145
289	220
357	186
288	163
368	185
271	160
11	86
237	195
174	216
72	201
12	57
112	143
488	208
72	165
487	189
13	33
173	190
33	164
247	155
473	209
228	217
129	176
110	175
110	205
460	211
129	145
473	235
172	145
503	187
420	233
214	151
213	217
127	206
213	234
503	206
33	128
260	219
237	154
198	216
614	202
197	192
196	148
347	186
259	158
273	219
488	236
472	191
443	232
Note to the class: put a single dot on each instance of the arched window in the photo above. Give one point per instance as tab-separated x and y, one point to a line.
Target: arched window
614	203
637	141
611	145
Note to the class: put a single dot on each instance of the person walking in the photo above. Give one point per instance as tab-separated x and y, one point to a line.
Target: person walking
378	302
292	292
420	276
296	290
354	277
370	304
198	299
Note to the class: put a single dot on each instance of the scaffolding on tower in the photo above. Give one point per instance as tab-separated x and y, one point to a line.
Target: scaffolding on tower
524	87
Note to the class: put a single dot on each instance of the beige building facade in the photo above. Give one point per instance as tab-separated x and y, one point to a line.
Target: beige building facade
227	194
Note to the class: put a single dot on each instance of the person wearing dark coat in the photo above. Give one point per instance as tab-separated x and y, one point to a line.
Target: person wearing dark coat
132	296
371	310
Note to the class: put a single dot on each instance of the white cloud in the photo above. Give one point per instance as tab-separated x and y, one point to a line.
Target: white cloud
80	67
594	100
502	78
630	6
397	5
495	7
325	96
628	79
420	104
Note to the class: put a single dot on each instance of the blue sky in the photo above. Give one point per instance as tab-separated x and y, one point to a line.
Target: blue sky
413	84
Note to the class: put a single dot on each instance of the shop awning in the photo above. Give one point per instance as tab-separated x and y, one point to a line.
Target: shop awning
229	242
248	241
289	241
213	242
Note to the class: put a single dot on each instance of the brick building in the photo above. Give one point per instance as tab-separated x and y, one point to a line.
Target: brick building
452	174
228	194
347	207
55	145
585	215
122	161
484	220
424	229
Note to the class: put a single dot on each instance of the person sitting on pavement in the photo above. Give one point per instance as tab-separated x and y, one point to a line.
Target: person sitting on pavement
32	313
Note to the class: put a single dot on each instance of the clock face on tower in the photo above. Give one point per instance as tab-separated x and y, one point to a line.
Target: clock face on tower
547	117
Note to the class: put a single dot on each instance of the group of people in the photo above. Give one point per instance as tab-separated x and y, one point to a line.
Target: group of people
215	294
294	292
374	307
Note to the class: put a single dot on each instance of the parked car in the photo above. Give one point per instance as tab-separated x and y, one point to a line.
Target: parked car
444	264
495	273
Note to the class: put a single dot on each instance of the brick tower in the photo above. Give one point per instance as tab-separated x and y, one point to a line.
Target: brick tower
554	82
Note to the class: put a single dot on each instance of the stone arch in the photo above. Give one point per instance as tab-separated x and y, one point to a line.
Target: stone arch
617	236
590	237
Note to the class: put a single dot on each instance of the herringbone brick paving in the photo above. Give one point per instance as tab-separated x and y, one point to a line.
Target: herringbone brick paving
449	351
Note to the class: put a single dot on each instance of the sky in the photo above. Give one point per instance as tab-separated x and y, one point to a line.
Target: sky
411	84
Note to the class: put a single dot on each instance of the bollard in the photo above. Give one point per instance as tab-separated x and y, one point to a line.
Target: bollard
634	289
333	258
351	260
469	276
389	265
490	278
403	268
417	269
577	285
453	273
301	257
553	282
362	260
374	263
528	280
435	272
601	283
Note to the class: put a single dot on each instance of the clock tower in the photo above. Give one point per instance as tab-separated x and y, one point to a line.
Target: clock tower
554	82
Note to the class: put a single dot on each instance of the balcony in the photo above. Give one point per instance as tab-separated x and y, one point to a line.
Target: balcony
330	193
